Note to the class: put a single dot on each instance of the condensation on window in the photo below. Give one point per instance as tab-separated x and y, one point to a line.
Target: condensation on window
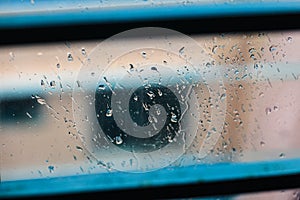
245	90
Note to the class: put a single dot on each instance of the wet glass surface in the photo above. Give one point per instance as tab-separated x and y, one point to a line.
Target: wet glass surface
138	105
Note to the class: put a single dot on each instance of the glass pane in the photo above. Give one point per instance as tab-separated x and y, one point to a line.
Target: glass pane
139	102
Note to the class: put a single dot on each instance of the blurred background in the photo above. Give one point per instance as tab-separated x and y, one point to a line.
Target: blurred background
38	133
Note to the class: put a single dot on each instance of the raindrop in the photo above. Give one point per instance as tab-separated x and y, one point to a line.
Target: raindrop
79	148
52	84
282	155
208	65
109	112
173	118
261	94
251	50
276	108
83	52
214	49
154	68
181	50
223	96
262	143
268	110
244	76
158	112
78	83
70	57
119	140
135	98
159	93
58	65
144	54
12	56
131	67
101	87
51	168
41	101
289	39
151	94
170	140
272	48
28	114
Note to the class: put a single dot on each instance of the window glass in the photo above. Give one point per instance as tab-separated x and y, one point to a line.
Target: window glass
139	104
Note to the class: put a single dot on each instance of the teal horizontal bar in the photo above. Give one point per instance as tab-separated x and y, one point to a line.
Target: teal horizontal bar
167	176
125	13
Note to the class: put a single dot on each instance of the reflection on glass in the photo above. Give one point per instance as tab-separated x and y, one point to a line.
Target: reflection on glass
42	116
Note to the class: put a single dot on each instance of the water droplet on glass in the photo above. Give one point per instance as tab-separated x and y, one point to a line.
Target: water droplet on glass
144	54
78	83
173	118
272	48
83	52
79	148
214	49
223	96
101	87
208	65
251	50
41	101
289	39
51	168
151	94
70	57
135	98
158	111
154	68
159	92
131	67
58	65
170	139
12	56
282	155
109	113
28	114
262	143
119	140
268	111
52	84
261	94
181	50
276	108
